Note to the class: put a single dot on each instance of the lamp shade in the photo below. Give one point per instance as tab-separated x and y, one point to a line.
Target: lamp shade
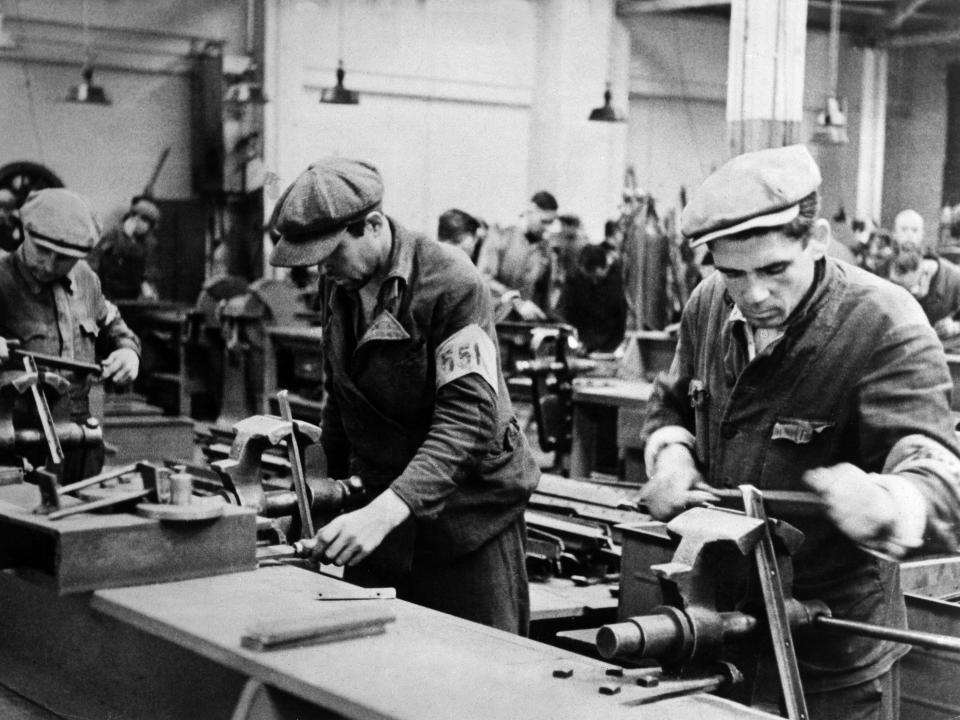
86	92
606	112
338	94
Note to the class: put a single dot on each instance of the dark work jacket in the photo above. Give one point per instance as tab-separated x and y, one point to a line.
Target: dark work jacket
943	297
858	369
456	456
123	263
70	319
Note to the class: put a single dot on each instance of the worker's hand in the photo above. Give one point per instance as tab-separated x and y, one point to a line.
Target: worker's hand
676	484
863	507
147	291
529	310
4	351
349	538
121	366
947	327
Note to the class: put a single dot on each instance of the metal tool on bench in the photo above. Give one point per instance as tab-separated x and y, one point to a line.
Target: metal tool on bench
693	628
52	493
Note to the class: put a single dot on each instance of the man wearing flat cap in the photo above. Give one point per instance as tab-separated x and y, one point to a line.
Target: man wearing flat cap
126	259
50	300
415	403
795	371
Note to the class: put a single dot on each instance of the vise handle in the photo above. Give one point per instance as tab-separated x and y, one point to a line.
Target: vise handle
54	361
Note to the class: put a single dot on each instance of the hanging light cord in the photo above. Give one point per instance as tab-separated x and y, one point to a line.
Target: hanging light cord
31	103
834	45
340	32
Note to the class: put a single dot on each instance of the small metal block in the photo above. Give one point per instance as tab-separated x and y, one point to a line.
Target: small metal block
609	689
648	681
615	671
563	672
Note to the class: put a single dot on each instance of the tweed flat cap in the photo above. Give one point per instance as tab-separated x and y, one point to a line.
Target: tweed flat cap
310	214
61	221
759	189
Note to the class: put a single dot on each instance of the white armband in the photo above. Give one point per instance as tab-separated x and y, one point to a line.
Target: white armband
469	350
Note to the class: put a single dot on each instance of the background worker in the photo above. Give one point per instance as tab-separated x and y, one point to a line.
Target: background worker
592	299
461	229
795	371
517	263
935	283
50	300
126	259
908	230
414	403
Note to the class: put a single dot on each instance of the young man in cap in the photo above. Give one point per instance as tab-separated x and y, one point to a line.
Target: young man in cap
50	300
794	371
126	258
517	263
415	403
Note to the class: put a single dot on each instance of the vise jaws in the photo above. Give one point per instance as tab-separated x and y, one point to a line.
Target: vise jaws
242	477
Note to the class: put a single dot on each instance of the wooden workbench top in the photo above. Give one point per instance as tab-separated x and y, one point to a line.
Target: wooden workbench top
426	665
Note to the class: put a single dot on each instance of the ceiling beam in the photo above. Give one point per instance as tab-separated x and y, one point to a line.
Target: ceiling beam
939	37
900	13
626	8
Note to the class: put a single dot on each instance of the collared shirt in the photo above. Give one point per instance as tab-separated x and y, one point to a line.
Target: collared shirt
68	318
857	370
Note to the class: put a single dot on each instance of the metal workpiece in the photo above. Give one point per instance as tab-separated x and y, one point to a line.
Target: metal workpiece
673	635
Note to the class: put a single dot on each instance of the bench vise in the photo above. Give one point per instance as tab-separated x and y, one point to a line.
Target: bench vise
242	476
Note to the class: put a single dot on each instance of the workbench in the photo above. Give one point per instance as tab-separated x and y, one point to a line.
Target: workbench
611	405
173	651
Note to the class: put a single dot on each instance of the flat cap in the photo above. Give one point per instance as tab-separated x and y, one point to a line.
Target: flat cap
312	212
759	189
62	221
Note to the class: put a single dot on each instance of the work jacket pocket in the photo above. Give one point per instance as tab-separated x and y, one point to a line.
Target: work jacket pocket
798	431
796	445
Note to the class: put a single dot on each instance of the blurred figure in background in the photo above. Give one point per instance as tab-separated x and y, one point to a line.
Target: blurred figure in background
11	233
592	299
517	263
566	245
126	259
462	230
935	283
908	230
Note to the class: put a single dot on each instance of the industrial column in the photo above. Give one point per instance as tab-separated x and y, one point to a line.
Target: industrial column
581	46
765	73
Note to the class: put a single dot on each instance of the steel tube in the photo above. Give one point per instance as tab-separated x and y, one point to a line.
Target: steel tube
932	641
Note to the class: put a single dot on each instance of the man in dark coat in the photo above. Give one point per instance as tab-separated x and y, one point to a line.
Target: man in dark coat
415	403
795	371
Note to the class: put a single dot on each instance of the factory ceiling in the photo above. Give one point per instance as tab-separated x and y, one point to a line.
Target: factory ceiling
896	23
